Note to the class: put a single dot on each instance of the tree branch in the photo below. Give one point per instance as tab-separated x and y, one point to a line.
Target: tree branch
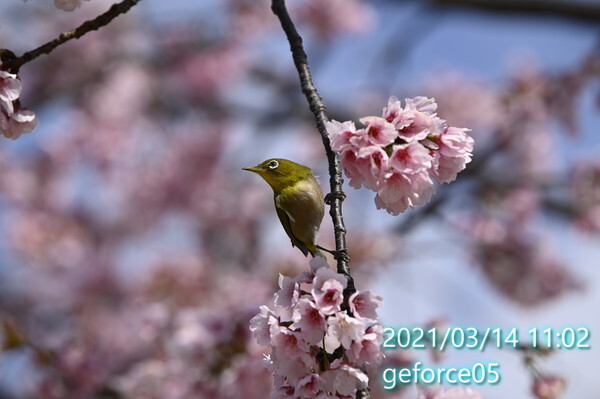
317	107
14	63
565	8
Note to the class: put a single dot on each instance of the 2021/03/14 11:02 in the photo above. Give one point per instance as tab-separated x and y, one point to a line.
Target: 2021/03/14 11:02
459	337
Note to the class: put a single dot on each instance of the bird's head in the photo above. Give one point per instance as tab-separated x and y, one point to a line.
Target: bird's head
281	173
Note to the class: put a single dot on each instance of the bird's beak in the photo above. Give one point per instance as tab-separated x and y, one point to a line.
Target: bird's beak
254	169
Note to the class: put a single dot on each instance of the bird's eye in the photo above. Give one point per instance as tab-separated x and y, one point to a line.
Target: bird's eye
273	164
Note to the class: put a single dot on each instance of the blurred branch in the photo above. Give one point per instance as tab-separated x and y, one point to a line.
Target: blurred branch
472	169
14	63
573	9
317	107
413	219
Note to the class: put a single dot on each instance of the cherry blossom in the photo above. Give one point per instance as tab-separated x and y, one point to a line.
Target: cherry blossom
144	132
363	305
328	290
14	120
548	387
289	342
366	349
10	90
289	293
310	321
345	379
347	136
524	269
345	328
396	154
308	386
318	326
410	158
260	325
378	131
516	258
18	123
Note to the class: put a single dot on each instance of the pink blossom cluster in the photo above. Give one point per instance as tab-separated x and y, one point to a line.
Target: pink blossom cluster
548	387
67	5
514	256
308	325
398	153
14	120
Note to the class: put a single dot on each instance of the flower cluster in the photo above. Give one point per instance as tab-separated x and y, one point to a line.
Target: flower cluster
514	256
548	387
397	154
14	120
307	326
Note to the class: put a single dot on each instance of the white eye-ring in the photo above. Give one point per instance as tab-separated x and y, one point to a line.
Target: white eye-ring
273	164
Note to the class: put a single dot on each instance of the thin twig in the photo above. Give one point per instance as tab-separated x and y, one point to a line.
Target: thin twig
13	64
587	11
319	110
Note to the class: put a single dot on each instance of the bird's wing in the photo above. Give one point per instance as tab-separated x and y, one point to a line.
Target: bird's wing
286	221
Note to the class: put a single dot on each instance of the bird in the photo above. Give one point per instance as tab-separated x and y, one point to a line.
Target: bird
298	200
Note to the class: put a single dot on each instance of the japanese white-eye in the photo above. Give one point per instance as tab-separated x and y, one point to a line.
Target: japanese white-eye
298	200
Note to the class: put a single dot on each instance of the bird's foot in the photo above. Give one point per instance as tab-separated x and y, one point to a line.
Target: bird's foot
337	254
343	255
329	198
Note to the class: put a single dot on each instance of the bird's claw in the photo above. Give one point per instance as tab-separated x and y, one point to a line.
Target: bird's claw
343	255
329	198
